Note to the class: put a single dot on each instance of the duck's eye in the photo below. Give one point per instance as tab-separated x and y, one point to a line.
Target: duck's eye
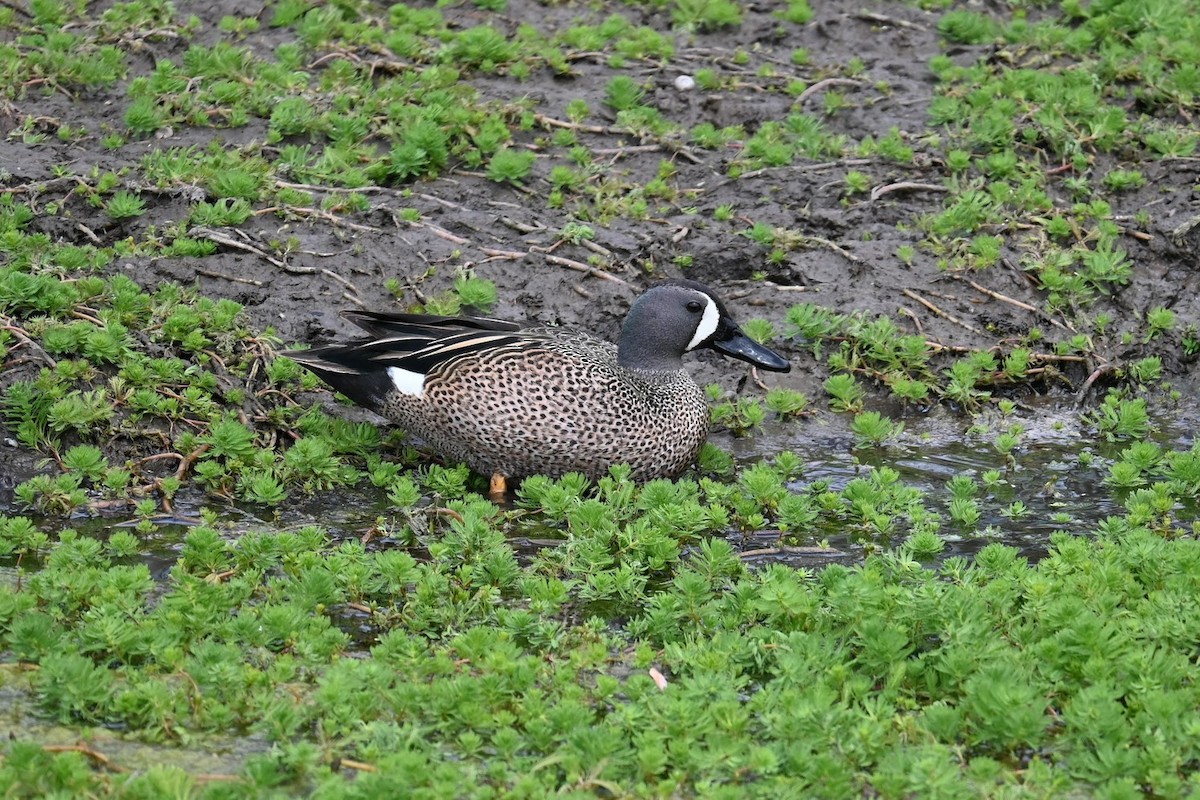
695	306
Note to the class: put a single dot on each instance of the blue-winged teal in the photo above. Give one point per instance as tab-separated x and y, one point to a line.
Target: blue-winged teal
512	401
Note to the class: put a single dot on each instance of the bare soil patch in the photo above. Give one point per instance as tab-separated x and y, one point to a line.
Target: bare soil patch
511	236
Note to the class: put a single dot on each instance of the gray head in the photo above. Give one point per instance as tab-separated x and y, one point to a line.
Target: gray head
676	318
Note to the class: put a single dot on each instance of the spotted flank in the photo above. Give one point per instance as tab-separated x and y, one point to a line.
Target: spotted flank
512	401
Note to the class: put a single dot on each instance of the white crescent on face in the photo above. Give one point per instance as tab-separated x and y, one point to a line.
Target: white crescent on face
708	323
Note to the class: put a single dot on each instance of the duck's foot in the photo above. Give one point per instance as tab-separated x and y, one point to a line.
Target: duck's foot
498	488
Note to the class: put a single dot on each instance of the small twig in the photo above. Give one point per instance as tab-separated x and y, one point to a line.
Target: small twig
579	266
1006	299
510	255
208	273
1103	369
906	186
939	312
442	233
214	578
313	187
302	211
186	462
868	16
779	287
551	122
24	339
908	312
88	232
448	512
841	251
788	549
821	86
521	227
447	203
599	249
331	274
633	148
218	238
845	162
86	750
215	777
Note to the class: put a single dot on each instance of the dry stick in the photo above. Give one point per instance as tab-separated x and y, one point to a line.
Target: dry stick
617	152
633	148
821	86
211	274
214	777
579	266
435	199
785	549
1103	369
939	312
314	187
521	227
15	7
906	186
24	339
187	461
1006	299
511	255
301	211
868	16
551	122
845	162
442	233
89	233
908	312
42	186
779	287
213	236
846	254
85	749
334	276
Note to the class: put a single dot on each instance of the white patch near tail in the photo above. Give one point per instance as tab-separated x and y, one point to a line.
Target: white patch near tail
406	381
708	323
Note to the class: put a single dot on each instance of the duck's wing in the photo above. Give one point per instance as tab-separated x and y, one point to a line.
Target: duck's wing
384	324
367	370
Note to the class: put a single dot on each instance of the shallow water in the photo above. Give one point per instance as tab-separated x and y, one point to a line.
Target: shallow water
1057	472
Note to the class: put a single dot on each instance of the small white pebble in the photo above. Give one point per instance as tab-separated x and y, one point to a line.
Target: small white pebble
685	83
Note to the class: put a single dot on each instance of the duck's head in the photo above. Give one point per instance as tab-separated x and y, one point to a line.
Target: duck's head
676	318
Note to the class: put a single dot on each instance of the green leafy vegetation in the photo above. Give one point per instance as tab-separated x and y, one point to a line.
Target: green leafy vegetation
952	675
599	638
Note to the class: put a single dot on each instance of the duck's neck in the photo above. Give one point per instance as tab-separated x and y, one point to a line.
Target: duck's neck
637	354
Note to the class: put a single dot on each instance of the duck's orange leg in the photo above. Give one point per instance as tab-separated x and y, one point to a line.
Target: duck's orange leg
497	488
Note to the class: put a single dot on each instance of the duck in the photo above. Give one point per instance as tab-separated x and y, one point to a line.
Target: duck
511	401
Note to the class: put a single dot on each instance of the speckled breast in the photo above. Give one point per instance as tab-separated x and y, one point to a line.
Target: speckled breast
557	407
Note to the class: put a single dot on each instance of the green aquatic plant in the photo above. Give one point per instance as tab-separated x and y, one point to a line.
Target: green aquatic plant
871	429
510	166
706	15
1121	418
845	392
